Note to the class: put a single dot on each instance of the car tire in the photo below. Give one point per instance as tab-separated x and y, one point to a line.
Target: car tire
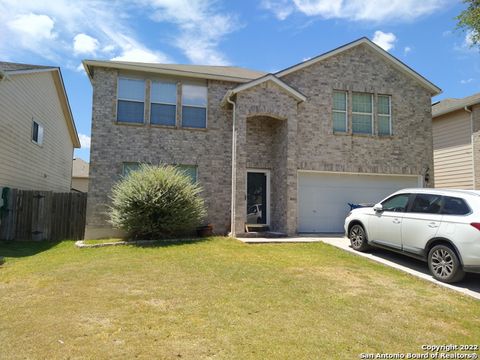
358	238
444	264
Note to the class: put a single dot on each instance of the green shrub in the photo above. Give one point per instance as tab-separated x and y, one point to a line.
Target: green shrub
156	202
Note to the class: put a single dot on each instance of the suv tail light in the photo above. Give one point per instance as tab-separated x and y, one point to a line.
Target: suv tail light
476	225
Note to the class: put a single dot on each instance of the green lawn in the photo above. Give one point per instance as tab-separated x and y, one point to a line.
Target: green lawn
218	298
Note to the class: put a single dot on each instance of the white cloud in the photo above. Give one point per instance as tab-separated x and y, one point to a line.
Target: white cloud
32	31
201	27
359	10
385	40
46	28
469	38
33	25
406	50
280	8
467	81
84	141
84	44
106	29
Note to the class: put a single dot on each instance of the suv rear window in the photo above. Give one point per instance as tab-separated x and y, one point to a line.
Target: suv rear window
426	204
455	206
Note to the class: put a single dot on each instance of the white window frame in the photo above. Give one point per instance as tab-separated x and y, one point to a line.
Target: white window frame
361	113
40	133
196	106
131	100
341	111
163	103
389	114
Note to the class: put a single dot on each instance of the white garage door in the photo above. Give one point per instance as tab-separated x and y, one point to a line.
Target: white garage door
323	197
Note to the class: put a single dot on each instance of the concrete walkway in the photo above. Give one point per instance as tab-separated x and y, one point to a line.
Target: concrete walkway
469	286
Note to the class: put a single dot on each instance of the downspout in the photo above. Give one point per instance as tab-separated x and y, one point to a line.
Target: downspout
471	141
234	169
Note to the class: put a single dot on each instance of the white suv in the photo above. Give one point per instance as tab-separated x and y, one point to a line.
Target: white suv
441	227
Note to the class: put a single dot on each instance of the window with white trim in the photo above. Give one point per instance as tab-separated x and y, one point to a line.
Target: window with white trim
194	106
130	100
37	133
384	112
340	111
362	113
163	103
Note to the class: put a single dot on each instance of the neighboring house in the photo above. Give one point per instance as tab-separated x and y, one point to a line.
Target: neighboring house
37	130
80	175
351	125
456	143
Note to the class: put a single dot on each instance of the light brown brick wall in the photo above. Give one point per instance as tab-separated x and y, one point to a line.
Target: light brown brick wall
273	132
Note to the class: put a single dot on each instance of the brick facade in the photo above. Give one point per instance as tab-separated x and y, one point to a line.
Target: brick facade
274	132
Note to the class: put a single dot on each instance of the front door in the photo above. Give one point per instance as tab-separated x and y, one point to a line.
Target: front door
257	198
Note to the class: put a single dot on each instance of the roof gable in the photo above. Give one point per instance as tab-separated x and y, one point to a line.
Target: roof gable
435	90
270	77
19	69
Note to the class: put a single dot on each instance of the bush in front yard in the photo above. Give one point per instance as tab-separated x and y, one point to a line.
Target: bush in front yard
156	202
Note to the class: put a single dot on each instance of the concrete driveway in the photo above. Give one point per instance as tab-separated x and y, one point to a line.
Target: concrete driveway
469	286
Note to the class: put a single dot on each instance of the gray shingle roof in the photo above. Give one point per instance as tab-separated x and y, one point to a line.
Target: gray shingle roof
451	104
8	66
205	71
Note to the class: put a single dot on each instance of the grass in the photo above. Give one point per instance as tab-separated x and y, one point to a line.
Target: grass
218	298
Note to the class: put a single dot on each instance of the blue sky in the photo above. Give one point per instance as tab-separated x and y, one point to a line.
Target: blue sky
266	35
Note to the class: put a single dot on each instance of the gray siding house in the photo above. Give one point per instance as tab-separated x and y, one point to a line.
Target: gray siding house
289	150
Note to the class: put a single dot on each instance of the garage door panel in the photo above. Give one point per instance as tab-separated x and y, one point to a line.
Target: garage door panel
323	198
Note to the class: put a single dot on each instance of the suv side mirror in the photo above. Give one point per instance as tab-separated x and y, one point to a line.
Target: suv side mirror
378	207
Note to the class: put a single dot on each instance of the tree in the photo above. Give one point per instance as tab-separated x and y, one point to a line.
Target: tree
469	20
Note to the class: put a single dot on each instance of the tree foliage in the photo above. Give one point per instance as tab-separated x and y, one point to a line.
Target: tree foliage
156	202
469	20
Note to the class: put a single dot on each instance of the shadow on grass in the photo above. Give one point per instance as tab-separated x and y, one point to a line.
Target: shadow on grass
18	249
169	242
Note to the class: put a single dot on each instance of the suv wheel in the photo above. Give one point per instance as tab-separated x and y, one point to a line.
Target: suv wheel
358	238
444	264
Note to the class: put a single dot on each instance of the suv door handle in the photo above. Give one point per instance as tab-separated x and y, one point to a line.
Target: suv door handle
396	221
433	224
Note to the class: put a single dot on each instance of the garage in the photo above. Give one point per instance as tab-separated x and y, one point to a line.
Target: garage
323	197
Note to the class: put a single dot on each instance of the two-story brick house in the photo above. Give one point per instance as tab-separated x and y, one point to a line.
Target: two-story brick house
293	148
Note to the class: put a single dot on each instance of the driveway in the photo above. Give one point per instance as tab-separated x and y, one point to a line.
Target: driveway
469	286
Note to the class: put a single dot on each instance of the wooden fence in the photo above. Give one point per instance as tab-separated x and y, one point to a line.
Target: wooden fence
43	215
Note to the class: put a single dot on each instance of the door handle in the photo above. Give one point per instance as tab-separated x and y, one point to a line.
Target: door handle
433	224
396	221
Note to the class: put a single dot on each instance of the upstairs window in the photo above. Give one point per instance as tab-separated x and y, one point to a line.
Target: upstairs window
362	115
131	100
194	106
163	110
340	111
37	133
384	115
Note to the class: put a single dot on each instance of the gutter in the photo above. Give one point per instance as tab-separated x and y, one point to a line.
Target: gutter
234	167
471	144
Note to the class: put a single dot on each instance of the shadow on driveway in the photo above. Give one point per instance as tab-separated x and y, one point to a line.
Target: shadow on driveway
470	285
470	282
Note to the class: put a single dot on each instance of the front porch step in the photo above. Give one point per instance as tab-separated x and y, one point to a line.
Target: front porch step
256	228
264	234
